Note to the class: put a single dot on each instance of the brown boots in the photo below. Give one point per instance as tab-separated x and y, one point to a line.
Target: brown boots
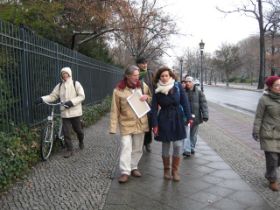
166	166
274	186
175	168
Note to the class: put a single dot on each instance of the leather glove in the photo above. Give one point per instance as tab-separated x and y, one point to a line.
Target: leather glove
68	104
38	101
256	137
155	130
205	119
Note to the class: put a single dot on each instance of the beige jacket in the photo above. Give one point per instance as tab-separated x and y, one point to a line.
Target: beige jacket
122	114
65	92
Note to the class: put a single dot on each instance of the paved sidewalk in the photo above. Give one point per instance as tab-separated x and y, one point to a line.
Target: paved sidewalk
228	132
227	175
207	182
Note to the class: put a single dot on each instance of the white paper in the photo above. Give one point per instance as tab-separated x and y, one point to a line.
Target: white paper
139	107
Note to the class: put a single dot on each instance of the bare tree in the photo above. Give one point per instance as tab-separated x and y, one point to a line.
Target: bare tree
249	55
227	59
145	31
265	12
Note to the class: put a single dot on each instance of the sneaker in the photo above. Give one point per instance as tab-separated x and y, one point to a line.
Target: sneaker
186	154
81	145
192	152
136	173
68	154
148	147
123	178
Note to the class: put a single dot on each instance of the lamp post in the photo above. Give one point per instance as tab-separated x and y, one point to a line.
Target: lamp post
201	46
181	69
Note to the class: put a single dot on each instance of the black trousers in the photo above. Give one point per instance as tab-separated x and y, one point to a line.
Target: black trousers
148	135
272	163
67	125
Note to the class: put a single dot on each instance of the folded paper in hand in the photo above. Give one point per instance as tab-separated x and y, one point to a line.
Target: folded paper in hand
139	107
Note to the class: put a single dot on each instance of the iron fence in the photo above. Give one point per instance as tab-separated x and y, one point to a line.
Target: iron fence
30	67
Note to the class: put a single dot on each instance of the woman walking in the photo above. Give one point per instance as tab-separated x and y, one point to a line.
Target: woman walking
267	129
169	106
132	128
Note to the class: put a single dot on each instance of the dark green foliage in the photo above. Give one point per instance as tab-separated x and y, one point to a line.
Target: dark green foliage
96	49
18	152
33	15
94	113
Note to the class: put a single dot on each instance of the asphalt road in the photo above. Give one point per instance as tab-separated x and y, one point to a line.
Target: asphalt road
241	100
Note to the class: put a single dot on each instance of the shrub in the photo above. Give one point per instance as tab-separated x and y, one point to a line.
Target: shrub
18	152
92	114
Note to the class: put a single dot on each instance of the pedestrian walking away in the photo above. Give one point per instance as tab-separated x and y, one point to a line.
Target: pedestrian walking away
131	127
71	94
199	110
168	120
266	129
146	76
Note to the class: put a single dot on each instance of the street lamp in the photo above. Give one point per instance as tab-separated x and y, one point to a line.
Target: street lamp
181	70
201	46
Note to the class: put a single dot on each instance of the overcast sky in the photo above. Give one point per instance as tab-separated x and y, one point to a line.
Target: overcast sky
199	19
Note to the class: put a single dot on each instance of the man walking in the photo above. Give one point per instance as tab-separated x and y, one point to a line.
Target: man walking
146	76
199	111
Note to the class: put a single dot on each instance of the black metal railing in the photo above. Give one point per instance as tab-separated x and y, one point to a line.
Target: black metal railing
30	67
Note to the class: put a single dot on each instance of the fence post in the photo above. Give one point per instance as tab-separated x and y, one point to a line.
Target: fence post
77	65
24	78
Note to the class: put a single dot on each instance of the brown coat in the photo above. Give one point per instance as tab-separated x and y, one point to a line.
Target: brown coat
122	114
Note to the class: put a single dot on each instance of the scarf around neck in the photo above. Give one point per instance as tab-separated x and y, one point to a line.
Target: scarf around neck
165	88
124	83
274	96
142	74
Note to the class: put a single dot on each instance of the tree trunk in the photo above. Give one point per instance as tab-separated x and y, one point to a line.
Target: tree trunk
262	47
227	80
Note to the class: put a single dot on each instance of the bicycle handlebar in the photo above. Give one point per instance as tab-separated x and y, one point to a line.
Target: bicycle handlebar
55	104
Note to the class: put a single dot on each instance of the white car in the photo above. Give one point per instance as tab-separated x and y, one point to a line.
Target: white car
197	82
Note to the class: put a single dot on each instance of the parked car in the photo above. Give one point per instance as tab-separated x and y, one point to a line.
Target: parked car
197	82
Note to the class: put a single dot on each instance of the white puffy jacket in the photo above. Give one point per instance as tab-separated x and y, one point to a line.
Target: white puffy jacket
67	92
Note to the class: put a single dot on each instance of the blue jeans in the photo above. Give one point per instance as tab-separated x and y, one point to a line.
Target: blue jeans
189	143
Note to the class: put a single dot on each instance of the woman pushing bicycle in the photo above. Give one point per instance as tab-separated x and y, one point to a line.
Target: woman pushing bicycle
71	94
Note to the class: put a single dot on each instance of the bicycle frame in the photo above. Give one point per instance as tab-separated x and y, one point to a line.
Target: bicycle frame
48	133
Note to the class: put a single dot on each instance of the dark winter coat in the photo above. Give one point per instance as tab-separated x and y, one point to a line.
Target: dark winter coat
148	79
198	105
168	113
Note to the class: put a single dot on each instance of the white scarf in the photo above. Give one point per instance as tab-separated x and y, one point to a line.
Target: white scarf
165	87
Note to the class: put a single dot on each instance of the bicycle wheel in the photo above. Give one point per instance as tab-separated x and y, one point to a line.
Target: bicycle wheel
46	141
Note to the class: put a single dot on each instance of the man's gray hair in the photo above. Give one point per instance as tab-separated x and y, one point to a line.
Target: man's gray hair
189	79
130	69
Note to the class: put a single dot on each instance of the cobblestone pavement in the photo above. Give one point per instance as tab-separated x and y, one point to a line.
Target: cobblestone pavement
79	182
229	134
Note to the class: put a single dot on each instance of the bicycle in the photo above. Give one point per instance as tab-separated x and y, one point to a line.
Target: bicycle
48	133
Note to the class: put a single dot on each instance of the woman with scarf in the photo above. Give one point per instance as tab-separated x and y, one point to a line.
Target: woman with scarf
267	129
131	127
170	108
